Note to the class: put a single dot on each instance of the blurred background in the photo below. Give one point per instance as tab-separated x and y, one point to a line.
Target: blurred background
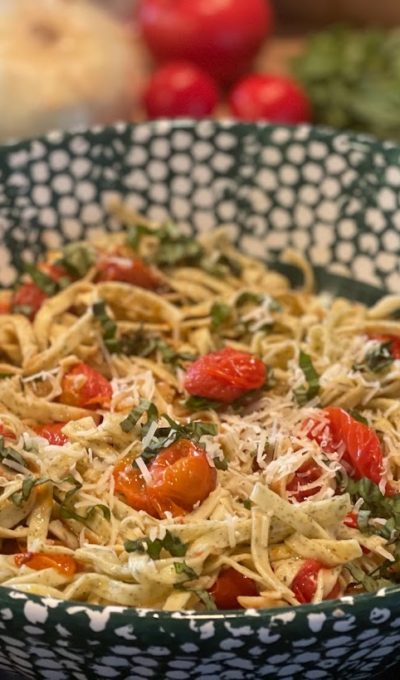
65	63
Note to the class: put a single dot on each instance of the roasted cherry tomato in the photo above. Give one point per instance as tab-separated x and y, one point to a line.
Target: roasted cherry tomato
64	564
181	476
180	89
362	448
5	303
225	375
394	343
128	270
274	98
304	583
351	520
307	473
85	387
28	299
230	585
54	271
222	37
52	432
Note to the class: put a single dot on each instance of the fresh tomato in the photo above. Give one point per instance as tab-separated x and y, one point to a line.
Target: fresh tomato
221	37
180	89
52	432
225	375
351	520
64	564
128	270
85	387
362	448
304	583
181	477
28	299
307	473
230	585
394	343
274	98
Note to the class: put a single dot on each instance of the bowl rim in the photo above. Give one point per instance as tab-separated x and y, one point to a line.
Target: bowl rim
166	126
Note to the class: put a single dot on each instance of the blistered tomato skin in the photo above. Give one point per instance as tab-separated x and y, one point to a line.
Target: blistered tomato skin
128	270
52	432
181	477
225	375
180	89
84	387
64	564
277	99
30	298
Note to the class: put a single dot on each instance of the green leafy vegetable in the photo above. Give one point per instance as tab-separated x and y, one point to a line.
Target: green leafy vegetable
194	403
247	503
220	463
68	513
303	395
170	543
108	326
249	298
182	568
25	310
368	581
357	416
135	234
170	356
220	313
221	266
377	360
353	79
77	258
131	420
203	595
29	483
7	453
75	486
138	343
44	282
378	505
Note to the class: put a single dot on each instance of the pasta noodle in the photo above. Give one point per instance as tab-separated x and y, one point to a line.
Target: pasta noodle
181	429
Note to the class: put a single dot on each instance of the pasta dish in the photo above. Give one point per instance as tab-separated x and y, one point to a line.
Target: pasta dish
180	428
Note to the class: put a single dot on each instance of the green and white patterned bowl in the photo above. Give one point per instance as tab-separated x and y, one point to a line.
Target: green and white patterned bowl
334	196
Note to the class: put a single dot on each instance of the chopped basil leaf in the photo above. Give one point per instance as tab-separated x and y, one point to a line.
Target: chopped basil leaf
7	453
220	313
131	420
68	513
377	360
75	486
20	497
182	568
357	416
44	282
305	394
135	233
77	258
378	505
221	266
108	327
220	463
170	543
170	356
174	248
368	582
138	343
201	403
247	297
247	503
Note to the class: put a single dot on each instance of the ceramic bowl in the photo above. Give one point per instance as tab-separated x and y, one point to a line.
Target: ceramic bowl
334	196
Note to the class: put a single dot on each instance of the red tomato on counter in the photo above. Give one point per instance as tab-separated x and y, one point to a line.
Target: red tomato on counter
274	98
180	89
221	37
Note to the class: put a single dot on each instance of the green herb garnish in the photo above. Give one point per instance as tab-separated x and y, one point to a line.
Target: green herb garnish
138	343
170	543
29	483
220	313
108	327
68	513
7	453
25	310
131	420
249	298
357	416
220	463
44	282
369	582
77	258
194	403
305	394
377	360
182	568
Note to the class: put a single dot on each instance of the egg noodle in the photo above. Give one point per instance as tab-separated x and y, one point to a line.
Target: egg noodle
287	505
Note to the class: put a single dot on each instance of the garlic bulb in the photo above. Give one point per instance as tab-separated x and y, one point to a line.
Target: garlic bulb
62	62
